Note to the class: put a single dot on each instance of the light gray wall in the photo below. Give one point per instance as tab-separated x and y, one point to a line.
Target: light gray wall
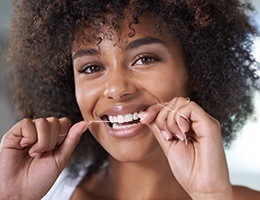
6	114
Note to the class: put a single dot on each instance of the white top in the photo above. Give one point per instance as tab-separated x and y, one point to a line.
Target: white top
63	188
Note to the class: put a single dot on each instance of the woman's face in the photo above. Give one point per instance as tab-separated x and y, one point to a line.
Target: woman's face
123	75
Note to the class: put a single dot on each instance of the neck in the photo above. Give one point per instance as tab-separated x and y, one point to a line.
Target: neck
148	179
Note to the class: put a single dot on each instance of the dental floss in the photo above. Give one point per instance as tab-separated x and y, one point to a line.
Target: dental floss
93	121
175	111
98	121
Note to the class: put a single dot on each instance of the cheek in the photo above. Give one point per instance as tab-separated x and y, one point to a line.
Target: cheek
168	84
86	97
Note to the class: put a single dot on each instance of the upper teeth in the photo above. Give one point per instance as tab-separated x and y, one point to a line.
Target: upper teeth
124	118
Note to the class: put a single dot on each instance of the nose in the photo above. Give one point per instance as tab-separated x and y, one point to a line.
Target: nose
119	85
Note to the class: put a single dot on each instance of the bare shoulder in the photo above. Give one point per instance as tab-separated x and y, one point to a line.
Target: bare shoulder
244	193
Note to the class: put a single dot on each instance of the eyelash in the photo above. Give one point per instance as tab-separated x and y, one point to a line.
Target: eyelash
149	58
146	59
92	67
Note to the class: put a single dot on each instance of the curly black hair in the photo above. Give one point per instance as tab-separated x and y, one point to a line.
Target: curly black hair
216	37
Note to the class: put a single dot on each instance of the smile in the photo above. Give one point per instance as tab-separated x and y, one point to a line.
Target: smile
124	121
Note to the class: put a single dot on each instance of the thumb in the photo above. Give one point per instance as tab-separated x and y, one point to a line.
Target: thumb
160	136
72	139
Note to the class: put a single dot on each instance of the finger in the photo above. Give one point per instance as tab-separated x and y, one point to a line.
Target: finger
162	116
21	135
54	126
170	128
192	112
65	125
174	123
166	122
199	122
43	137
183	124
28	131
69	144
150	114
168	135
160	137
163	113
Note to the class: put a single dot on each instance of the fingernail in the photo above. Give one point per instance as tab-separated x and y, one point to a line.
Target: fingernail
166	135
34	154
84	126
23	145
142	116
186	142
182	129
179	136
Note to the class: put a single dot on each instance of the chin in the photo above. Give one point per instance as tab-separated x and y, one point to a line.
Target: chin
135	151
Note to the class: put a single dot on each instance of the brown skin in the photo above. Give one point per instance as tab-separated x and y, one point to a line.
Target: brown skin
120	85
31	146
127	85
122	73
142	166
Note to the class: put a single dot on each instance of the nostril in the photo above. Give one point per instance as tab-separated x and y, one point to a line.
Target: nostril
114	93
120	89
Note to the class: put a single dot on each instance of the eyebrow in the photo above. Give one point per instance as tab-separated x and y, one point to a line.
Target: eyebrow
85	52
144	41
132	45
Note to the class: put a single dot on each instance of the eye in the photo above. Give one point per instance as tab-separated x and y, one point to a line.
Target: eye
146	59
90	69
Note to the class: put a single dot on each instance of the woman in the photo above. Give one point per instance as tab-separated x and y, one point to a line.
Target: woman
152	88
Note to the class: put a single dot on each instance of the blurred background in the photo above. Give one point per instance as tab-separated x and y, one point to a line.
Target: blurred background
243	156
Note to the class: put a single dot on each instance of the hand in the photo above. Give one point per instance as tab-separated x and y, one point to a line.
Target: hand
33	153
191	140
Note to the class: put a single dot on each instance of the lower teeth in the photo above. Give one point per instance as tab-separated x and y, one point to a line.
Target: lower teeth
118	126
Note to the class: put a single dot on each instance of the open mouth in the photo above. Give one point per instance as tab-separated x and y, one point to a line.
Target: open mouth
122	121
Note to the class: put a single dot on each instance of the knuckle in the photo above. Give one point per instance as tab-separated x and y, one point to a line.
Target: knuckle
66	121
41	147
160	122
65	118
42	122
179	98
53	119
26	122
174	100
192	104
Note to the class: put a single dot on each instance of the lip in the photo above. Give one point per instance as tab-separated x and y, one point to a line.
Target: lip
124	109
127	131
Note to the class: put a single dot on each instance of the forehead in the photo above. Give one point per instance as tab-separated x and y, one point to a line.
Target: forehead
119	36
